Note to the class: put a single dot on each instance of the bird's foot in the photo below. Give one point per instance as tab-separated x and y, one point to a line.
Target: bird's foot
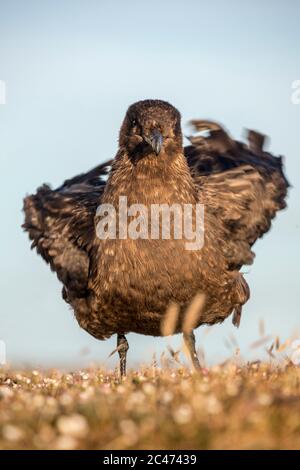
190	342
122	347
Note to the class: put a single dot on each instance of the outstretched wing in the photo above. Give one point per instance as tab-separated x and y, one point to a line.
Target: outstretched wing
60	224
241	183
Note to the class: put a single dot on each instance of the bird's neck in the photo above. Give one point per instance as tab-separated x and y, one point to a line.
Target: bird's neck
153	179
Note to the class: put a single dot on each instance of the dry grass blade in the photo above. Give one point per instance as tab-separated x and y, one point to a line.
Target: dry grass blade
270	351
169	322
271	348
227	344
193	313
262	328
284	345
154	361
201	356
207	330
233	341
174	354
115	350
164	361
260	342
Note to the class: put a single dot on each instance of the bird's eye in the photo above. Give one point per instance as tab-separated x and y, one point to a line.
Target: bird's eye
133	122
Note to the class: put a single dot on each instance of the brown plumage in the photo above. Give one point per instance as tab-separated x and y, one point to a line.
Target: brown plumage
118	286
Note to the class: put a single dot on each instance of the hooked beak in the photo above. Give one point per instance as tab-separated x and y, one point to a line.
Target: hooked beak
155	140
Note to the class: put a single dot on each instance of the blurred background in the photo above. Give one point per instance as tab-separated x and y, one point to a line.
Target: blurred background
71	69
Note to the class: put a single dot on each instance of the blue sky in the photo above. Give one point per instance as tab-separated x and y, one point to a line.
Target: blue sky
71	69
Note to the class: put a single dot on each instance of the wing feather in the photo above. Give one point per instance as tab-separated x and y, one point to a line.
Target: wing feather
242	184
60	224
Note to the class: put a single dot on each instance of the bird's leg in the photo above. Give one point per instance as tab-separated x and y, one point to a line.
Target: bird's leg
122	347
190	342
